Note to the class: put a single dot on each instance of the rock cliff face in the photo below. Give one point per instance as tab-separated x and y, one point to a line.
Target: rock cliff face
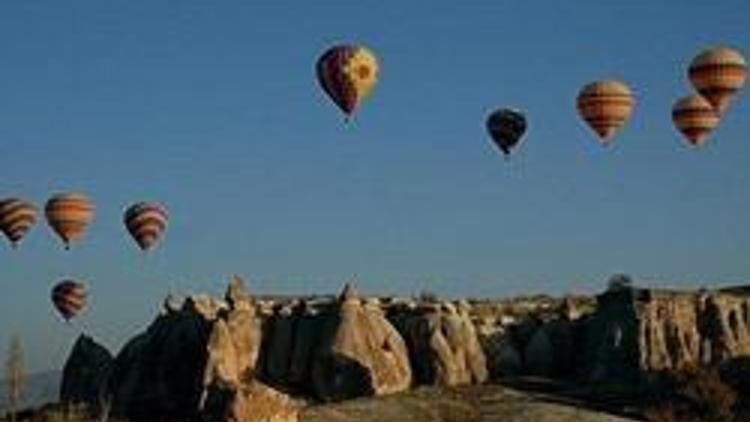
360	353
221	359
443	344
160	372
86	372
637	330
197	360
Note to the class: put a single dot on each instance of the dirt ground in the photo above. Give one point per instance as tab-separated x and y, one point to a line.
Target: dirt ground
478	403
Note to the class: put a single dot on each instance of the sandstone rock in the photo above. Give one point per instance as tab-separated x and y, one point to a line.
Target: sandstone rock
464	305
539	354
443	345
205	306
503	358
550	352
349	293
360	353
159	374
165	372
237	296
172	304
222	365
279	345
244	327
290	339
85	373
249	402
636	330
373	302
308	327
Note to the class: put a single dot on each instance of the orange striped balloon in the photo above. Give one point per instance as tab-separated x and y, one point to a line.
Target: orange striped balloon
695	117
605	106
16	218
146	222
69	298
718	73
69	214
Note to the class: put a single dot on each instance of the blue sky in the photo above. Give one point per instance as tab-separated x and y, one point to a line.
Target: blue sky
212	108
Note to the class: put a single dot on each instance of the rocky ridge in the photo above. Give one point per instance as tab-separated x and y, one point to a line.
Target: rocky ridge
245	359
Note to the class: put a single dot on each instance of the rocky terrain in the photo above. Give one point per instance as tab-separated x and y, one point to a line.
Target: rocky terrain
463	404
354	357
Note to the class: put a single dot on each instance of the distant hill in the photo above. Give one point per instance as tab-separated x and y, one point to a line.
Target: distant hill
743	289
40	388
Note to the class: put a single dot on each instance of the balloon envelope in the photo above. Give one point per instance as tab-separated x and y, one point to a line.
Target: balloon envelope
605	106
718	73
146	222
69	214
506	127
347	73
69	298
695	117
17	216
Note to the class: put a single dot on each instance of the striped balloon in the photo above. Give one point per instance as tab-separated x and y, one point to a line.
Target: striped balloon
695	117
605	106
718	73
69	297
69	214
16	218
347	73
146	221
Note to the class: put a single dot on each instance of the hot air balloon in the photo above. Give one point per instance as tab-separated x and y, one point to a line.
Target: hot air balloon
69	298
605	106
69	214
695	117
16	218
146	221
506	127
717	74
347	73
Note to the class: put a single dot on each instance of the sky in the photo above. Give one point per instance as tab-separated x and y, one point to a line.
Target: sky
213	109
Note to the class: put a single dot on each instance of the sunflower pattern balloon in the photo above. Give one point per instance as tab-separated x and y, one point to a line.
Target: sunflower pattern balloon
347	73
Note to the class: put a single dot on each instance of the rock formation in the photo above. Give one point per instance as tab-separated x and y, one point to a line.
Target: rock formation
160	372
85	372
443	345
221	359
360	353
251	401
638	330
203	352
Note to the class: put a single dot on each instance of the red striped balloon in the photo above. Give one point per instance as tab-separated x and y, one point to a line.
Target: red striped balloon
69	214
146	222
69	298
695	117
605	106
17	216
717	74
